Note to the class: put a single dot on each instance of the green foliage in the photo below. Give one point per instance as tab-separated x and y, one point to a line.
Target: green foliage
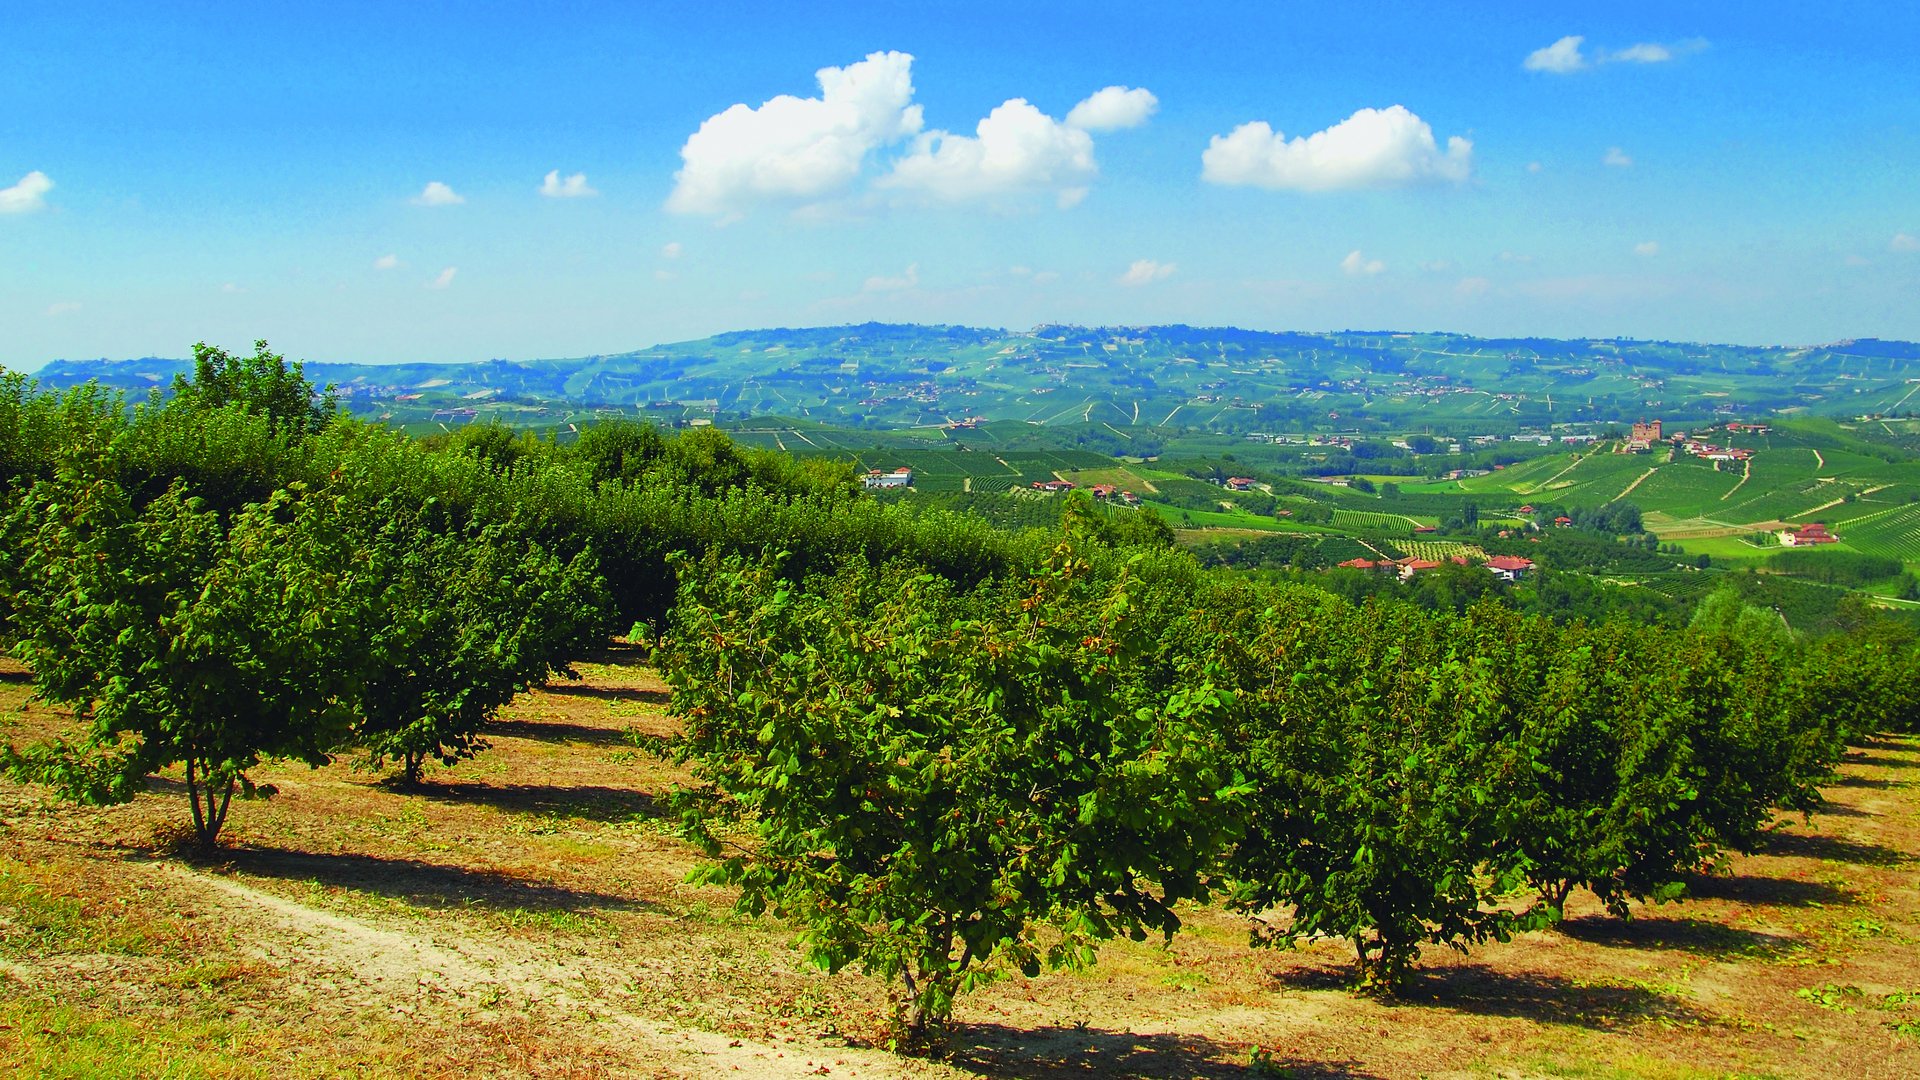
1377	747
262	383
182	640
464	618
930	778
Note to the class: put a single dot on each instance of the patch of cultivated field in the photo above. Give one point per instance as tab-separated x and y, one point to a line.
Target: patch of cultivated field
526	914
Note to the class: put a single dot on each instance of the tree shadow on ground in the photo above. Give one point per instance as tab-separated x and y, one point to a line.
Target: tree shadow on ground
591	802
557	731
1769	891
1875	782
1829	847
1032	1053
1551	999
20	676
644	695
1883	761
421	884
1684	934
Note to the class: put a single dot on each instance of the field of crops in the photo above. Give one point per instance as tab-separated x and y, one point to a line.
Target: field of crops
1440	550
1596	479
1686	489
1372	521
1894	533
1685	587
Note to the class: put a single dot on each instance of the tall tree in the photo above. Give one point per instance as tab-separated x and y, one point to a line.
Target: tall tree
181	640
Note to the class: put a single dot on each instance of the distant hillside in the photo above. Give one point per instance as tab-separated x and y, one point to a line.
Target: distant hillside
1222	379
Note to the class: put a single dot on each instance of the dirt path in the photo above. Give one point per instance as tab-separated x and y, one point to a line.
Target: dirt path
391	968
1745	475
1544	484
1642	479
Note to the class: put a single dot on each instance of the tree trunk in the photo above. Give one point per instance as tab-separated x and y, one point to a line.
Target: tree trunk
209	801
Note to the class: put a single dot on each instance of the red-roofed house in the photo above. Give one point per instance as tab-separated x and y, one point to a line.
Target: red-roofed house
1240	483
1415	566
1815	533
1562	521
1510	567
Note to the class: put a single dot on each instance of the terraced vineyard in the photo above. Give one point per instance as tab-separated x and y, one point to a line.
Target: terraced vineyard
1441	550
1685	487
1374	522
1894	533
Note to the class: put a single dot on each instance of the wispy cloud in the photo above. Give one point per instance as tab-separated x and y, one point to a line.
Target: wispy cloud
1566	56
26	196
444	278
1904	242
1359	265
1645	248
571	187
671	249
880	283
65	307
1373	148
387	262
1145	272
437	194
1560	58
1617	158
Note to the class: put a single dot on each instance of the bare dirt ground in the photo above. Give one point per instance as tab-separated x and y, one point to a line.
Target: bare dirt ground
525	914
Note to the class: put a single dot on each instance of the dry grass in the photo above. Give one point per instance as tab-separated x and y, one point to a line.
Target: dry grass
525	914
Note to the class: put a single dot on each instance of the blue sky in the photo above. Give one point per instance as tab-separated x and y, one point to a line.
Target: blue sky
365	182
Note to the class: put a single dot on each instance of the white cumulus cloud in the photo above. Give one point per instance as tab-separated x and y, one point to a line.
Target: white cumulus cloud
1648	247
64	307
1904	242
1560	58
908	280
443	279
386	262
27	195
1359	265
1016	149
572	187
1617	158
1113	108
797	149
1146	271
1373	148
670	250
437	194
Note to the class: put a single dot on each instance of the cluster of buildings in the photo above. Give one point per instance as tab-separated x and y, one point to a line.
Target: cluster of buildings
1504	567
1098	491
882	478
1702	449
1644	436
1807	536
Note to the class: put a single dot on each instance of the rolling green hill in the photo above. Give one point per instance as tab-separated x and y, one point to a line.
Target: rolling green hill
1126	379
